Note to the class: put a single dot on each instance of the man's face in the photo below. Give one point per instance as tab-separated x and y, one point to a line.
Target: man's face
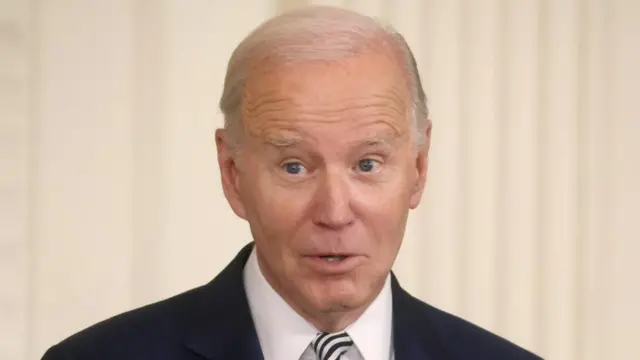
326	177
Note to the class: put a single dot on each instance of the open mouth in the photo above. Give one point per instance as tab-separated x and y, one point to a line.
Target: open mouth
334	264
333	258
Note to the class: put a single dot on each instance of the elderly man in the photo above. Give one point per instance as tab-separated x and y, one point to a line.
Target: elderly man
324	152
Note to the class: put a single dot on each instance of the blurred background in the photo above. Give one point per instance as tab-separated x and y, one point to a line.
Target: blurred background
110	194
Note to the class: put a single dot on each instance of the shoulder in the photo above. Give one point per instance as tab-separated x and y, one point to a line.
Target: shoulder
151	331
162	330
464	340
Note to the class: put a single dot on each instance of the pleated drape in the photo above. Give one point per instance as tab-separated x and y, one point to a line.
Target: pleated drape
109	188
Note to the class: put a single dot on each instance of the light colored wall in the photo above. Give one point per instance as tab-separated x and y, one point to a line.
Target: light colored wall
109	188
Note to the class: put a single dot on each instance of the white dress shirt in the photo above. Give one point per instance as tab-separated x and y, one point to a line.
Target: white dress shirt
285	335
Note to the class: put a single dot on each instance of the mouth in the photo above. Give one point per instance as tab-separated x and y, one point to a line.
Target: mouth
333	258
334	264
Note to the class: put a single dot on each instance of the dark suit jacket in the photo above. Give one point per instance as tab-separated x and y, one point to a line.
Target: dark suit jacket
214	322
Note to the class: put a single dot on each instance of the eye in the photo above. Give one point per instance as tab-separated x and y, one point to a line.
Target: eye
368	165
293	168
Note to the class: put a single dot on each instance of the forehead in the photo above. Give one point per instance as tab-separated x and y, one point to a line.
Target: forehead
368	90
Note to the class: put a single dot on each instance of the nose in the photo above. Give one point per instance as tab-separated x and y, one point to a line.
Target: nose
333	210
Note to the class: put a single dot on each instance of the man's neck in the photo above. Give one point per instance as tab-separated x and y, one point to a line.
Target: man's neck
331	321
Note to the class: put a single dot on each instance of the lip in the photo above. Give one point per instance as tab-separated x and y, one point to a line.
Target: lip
326	267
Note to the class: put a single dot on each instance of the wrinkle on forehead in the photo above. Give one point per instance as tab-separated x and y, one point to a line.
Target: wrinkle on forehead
270	99
384	137
291	113
316	94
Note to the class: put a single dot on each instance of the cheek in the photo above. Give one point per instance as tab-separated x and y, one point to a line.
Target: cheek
383	211
387	199
279	211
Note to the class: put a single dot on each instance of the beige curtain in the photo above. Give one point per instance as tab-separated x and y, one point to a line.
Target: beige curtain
110	197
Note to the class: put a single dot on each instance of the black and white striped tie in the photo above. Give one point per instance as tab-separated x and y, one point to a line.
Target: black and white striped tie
331	346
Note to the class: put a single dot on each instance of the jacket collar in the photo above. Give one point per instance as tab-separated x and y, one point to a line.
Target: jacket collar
223	327
414	336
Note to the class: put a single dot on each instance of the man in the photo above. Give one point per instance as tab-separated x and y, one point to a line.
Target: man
324	152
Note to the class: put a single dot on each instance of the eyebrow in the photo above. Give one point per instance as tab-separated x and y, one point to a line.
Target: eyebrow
288	141
283	141
379	140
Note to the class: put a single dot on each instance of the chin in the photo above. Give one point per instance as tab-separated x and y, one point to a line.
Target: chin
339	304
343	295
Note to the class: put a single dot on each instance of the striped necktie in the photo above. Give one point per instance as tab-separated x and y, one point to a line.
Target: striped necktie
331	346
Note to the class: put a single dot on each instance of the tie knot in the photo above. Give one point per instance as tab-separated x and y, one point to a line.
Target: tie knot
331	346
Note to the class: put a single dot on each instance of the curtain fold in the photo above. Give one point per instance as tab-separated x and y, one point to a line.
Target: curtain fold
528	227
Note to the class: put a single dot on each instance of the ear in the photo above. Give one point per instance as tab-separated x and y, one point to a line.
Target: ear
422	165
229	173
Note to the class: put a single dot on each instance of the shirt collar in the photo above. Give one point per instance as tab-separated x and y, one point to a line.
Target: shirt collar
371	333
285	335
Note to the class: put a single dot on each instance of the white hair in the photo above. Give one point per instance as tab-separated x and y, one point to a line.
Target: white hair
317	33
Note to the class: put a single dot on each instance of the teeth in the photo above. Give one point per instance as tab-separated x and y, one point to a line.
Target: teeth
334	258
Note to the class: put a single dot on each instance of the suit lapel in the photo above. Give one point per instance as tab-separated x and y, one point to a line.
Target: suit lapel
413	335
223	327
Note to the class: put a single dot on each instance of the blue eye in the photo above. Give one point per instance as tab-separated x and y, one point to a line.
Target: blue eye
293	168
367	165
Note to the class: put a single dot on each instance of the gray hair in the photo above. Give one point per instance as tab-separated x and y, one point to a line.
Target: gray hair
316	33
